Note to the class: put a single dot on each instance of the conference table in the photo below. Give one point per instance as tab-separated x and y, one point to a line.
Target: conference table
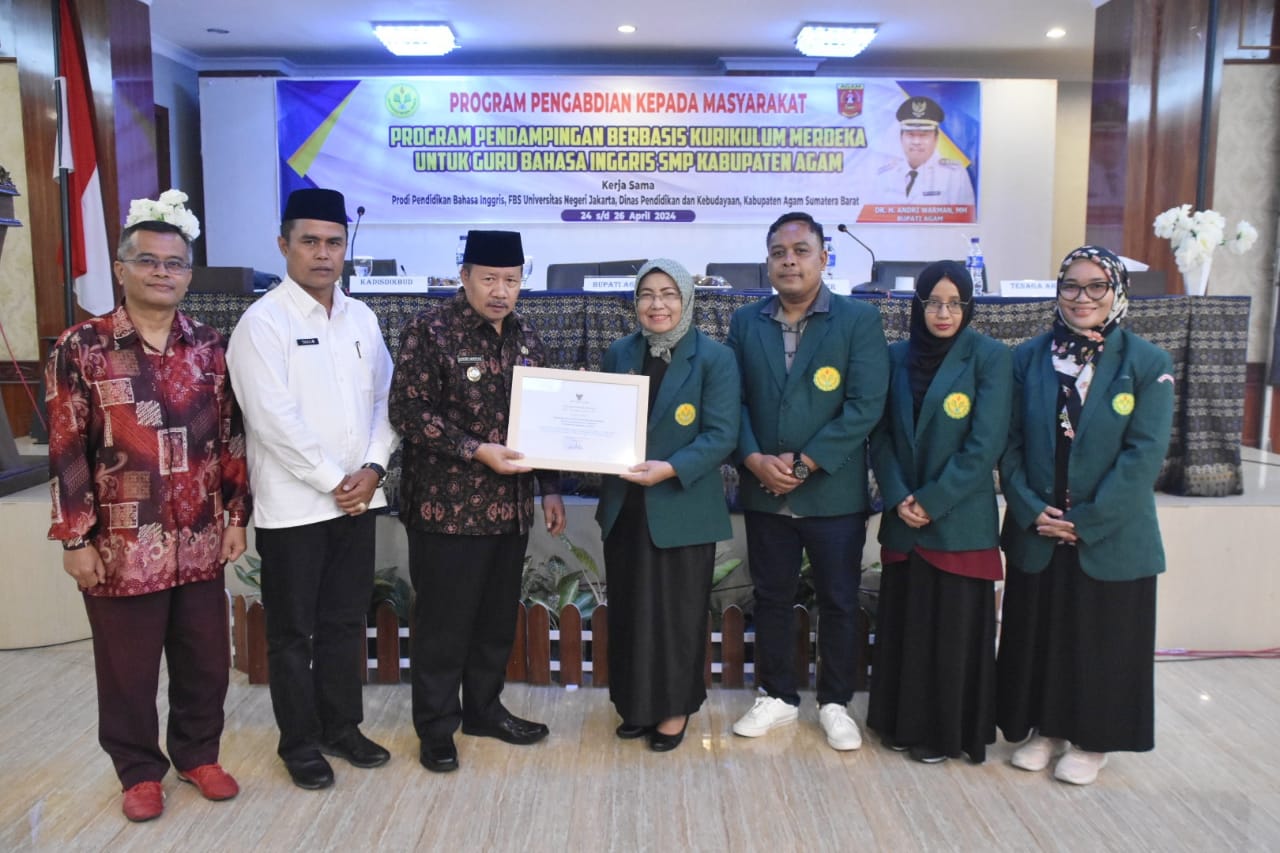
1205	335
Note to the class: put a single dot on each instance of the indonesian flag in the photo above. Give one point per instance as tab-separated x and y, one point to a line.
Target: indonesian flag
87	229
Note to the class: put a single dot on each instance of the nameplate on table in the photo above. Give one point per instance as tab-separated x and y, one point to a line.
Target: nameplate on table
609	283
393	283
1029	288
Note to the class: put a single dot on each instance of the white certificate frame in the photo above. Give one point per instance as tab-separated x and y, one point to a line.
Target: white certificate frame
558	419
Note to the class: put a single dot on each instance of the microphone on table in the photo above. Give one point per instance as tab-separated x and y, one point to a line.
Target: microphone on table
844	229
354	232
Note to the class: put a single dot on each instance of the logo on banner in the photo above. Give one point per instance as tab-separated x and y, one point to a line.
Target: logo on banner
402	100
850	99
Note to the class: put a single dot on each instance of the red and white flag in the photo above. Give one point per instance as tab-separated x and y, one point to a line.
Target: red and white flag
87	232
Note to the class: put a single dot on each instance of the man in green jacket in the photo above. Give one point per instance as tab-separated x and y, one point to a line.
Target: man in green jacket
815	372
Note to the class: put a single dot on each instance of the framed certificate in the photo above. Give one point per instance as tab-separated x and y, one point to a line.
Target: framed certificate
573	420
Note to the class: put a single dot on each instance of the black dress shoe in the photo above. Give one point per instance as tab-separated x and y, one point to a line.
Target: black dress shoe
356	749
510	728
927	755
631	731
439	756
660	742
311	772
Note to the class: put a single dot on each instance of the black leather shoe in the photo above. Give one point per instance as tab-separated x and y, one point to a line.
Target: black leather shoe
660	742
439	756
927	755
630	731
510	728
311	772
356	749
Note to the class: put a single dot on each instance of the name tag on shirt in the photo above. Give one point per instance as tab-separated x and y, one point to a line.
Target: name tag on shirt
308	342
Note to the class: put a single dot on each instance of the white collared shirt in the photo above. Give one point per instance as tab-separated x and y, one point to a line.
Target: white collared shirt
313	388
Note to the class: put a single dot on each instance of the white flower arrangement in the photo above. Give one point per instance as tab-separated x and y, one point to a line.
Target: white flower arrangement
1195	235
170	207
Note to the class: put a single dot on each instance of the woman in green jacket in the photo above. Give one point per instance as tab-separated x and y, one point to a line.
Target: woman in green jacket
934	453
1092	411
660	520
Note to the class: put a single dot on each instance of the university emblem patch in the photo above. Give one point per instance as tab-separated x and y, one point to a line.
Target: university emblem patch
826	378
957	405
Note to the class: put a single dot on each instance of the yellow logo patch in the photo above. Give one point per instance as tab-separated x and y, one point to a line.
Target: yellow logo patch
1122	403
957	405
826	378
685	414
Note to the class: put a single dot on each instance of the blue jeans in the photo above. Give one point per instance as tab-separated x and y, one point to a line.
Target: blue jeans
775	544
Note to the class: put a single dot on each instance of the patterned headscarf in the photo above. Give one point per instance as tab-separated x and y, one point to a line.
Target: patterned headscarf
661	344
1081	345
1074	350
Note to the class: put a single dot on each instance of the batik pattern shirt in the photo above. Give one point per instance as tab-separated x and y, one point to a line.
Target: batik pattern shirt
145	451
450	393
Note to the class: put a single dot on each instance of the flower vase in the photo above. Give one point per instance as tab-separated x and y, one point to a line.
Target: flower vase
1195	280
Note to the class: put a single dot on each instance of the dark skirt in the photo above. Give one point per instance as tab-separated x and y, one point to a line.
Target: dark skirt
658	603
1077	657
933	677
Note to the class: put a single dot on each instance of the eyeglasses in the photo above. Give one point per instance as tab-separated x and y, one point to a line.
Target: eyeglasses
666	297
935	306
1095	290
150	263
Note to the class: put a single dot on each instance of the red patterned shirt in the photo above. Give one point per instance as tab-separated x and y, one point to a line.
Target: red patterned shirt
143	452
450	393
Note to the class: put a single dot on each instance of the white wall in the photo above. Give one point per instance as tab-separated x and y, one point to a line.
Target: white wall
177	89
1015	201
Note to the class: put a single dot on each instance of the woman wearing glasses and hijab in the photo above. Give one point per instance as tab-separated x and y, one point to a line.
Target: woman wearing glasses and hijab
660	520
1092	410
934	454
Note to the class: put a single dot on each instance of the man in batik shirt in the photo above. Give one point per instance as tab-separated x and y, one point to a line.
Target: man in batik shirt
467	499
146	458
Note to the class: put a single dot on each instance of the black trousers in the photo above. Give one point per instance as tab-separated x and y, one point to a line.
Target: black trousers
467	591
317	581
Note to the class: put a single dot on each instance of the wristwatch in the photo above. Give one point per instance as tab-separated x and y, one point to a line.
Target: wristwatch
799	470
377	469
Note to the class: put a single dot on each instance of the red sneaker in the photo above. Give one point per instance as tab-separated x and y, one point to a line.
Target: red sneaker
214	782
144	801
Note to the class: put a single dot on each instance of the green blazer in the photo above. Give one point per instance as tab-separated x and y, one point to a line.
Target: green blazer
1116	455
693	424
947	459
825	407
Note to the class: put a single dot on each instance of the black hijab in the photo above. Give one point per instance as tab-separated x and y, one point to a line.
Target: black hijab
925	350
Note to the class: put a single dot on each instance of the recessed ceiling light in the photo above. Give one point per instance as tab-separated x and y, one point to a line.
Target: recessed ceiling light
1056	33
834	39
415	39
626	29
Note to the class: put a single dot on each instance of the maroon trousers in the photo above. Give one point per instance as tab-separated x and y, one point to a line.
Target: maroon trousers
188	624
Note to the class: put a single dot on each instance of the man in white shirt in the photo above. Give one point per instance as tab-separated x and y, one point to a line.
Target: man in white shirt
312	372
921	176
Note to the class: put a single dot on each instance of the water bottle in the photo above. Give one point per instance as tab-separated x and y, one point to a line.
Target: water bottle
461	251
830	272
976	267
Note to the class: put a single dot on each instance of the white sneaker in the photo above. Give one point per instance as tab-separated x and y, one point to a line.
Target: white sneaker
1079	767
767	713
842	732
1036	753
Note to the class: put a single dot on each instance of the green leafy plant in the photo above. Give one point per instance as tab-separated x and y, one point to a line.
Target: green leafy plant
555	585
252	575
389	586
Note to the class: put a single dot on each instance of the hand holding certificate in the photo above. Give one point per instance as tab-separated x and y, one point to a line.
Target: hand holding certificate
570	420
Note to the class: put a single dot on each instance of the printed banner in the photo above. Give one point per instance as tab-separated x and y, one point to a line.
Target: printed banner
634	149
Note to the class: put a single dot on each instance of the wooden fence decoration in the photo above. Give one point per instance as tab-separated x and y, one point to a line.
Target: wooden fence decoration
571	654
